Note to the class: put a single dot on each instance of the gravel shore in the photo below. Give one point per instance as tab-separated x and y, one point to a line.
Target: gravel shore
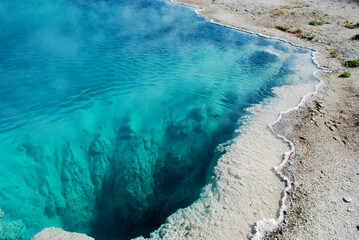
324	168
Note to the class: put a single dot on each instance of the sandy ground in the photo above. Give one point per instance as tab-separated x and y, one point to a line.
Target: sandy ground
324	169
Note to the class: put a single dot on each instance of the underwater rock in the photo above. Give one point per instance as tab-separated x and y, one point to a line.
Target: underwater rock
262	58
100	146
58	233
12	230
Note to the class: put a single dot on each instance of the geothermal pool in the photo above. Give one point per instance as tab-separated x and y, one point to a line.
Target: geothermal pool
111	111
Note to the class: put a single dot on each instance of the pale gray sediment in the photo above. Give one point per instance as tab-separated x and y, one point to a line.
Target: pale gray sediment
325	166
59	234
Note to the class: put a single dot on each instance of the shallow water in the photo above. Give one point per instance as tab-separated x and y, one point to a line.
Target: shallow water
110	111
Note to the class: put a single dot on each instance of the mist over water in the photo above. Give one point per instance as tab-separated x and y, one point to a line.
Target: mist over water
110	111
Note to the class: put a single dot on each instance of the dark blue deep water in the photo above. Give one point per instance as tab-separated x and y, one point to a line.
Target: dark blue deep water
110	111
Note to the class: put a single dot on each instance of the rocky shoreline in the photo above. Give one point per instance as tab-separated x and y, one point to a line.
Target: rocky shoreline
323	203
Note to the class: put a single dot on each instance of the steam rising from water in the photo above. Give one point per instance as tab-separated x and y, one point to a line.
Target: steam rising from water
110	111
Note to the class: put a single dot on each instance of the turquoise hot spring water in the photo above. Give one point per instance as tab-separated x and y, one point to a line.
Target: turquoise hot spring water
111	110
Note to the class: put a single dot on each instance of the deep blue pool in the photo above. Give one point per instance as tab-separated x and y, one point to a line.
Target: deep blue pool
110	111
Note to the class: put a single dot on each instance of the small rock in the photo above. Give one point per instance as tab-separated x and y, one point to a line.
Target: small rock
58	233
347	199
1	214
357	227
162	232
